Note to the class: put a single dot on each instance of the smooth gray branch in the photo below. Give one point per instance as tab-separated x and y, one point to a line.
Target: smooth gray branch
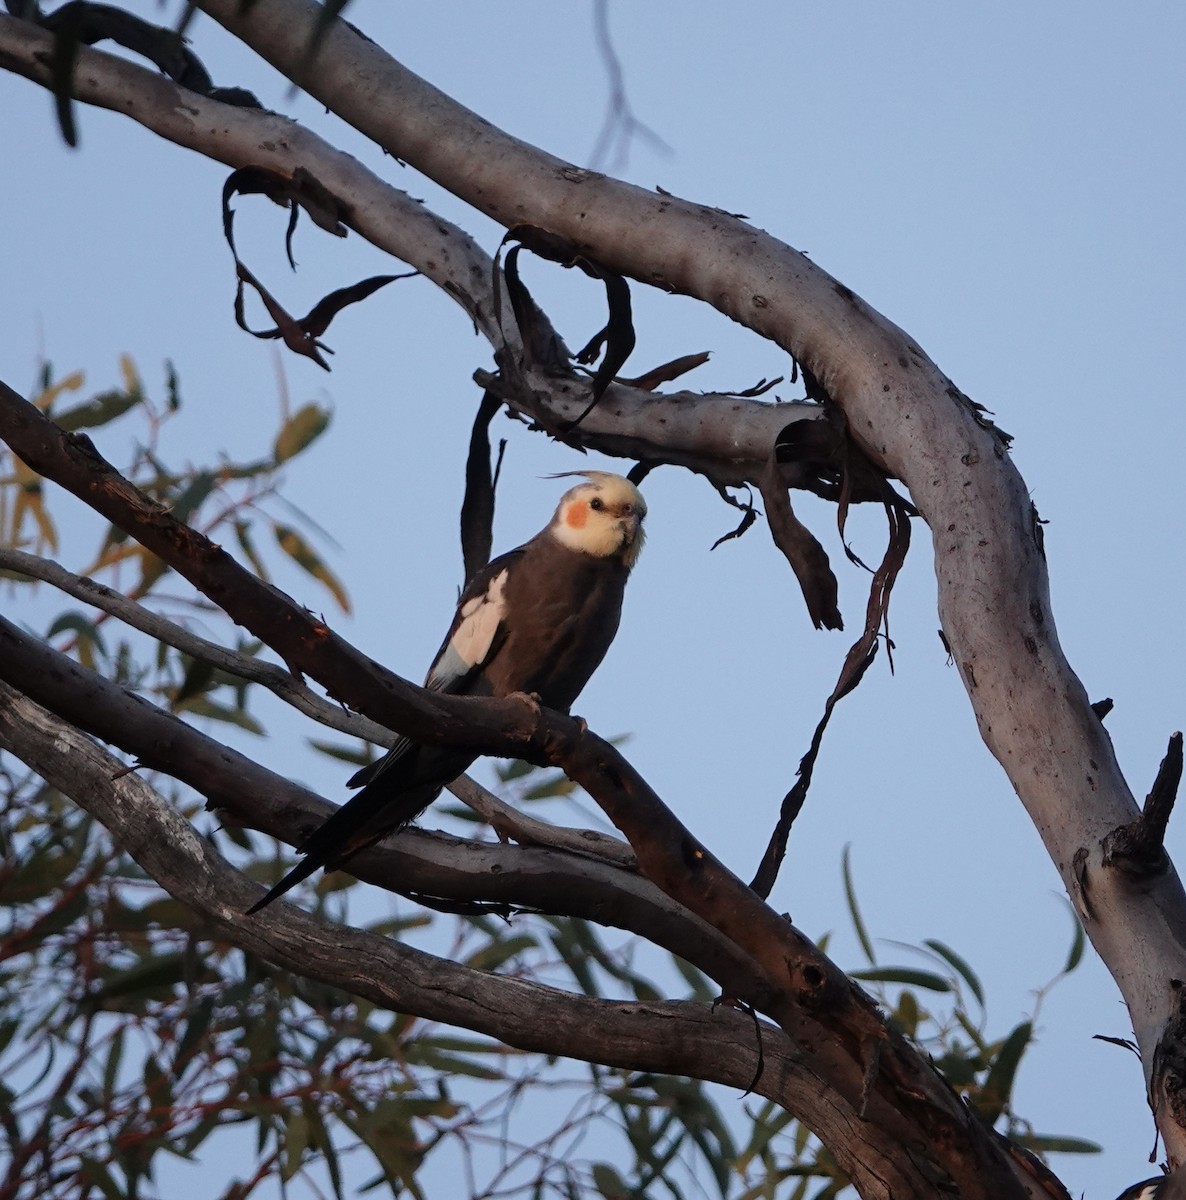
720	436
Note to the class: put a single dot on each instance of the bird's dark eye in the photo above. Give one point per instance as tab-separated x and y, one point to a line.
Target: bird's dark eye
596	503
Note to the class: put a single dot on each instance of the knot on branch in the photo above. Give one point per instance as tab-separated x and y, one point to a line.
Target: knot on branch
811	986
1138	848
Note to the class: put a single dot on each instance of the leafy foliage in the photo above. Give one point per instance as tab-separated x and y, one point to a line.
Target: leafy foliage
230	499
134	1035
952	1026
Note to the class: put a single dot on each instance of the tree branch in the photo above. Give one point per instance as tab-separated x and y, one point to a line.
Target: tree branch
904	413
244	792
506	820
714	1043
281	683
725	438
871	1067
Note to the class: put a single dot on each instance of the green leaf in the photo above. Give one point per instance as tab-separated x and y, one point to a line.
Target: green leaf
319	1136
203	706
854	910
296	1142
301	553
154	977
115	1053
199	676
93	1172
609	1183
907	1013
299	431
158	1086
164	913
971	1030
998	1087
701	986
172	387
394	926
1078	942
347	754
495	953
51	391
81	625
424	1054
191	498
40	874
243	533
8	1030
196	1029
99	410
386	1129
513	768
767	1123
959	965
30	502
905	975
557	784
472	1045
152	568
1044	1143
574	957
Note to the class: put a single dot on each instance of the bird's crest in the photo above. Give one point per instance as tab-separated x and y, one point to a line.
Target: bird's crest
592	476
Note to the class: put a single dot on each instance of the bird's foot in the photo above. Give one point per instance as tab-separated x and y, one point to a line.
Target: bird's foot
530	699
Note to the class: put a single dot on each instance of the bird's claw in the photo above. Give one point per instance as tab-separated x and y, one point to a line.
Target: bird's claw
530	699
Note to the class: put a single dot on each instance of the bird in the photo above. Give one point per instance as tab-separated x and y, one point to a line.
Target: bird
536	621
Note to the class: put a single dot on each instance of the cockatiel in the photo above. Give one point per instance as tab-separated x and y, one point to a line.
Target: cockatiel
537	620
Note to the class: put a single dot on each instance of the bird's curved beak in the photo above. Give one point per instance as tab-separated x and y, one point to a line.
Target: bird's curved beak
633	536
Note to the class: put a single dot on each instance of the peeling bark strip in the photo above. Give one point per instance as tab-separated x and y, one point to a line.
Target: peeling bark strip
807	557
79	23
477	506
617	335
858	660
301	192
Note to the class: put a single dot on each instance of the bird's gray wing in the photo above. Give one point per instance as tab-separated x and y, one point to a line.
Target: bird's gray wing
478	628
477	631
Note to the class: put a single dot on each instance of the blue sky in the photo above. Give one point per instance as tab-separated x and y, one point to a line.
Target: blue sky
1002	181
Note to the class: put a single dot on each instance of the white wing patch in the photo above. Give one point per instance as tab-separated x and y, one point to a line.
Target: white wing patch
468	648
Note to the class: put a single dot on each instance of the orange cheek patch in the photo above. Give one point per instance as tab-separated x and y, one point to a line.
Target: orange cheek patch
577	515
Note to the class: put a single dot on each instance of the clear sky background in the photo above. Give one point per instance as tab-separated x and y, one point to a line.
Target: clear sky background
1003	181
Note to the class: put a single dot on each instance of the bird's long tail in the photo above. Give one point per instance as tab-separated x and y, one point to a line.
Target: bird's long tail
389	801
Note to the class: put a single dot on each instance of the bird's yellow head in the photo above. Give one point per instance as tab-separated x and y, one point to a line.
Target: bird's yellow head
602	517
